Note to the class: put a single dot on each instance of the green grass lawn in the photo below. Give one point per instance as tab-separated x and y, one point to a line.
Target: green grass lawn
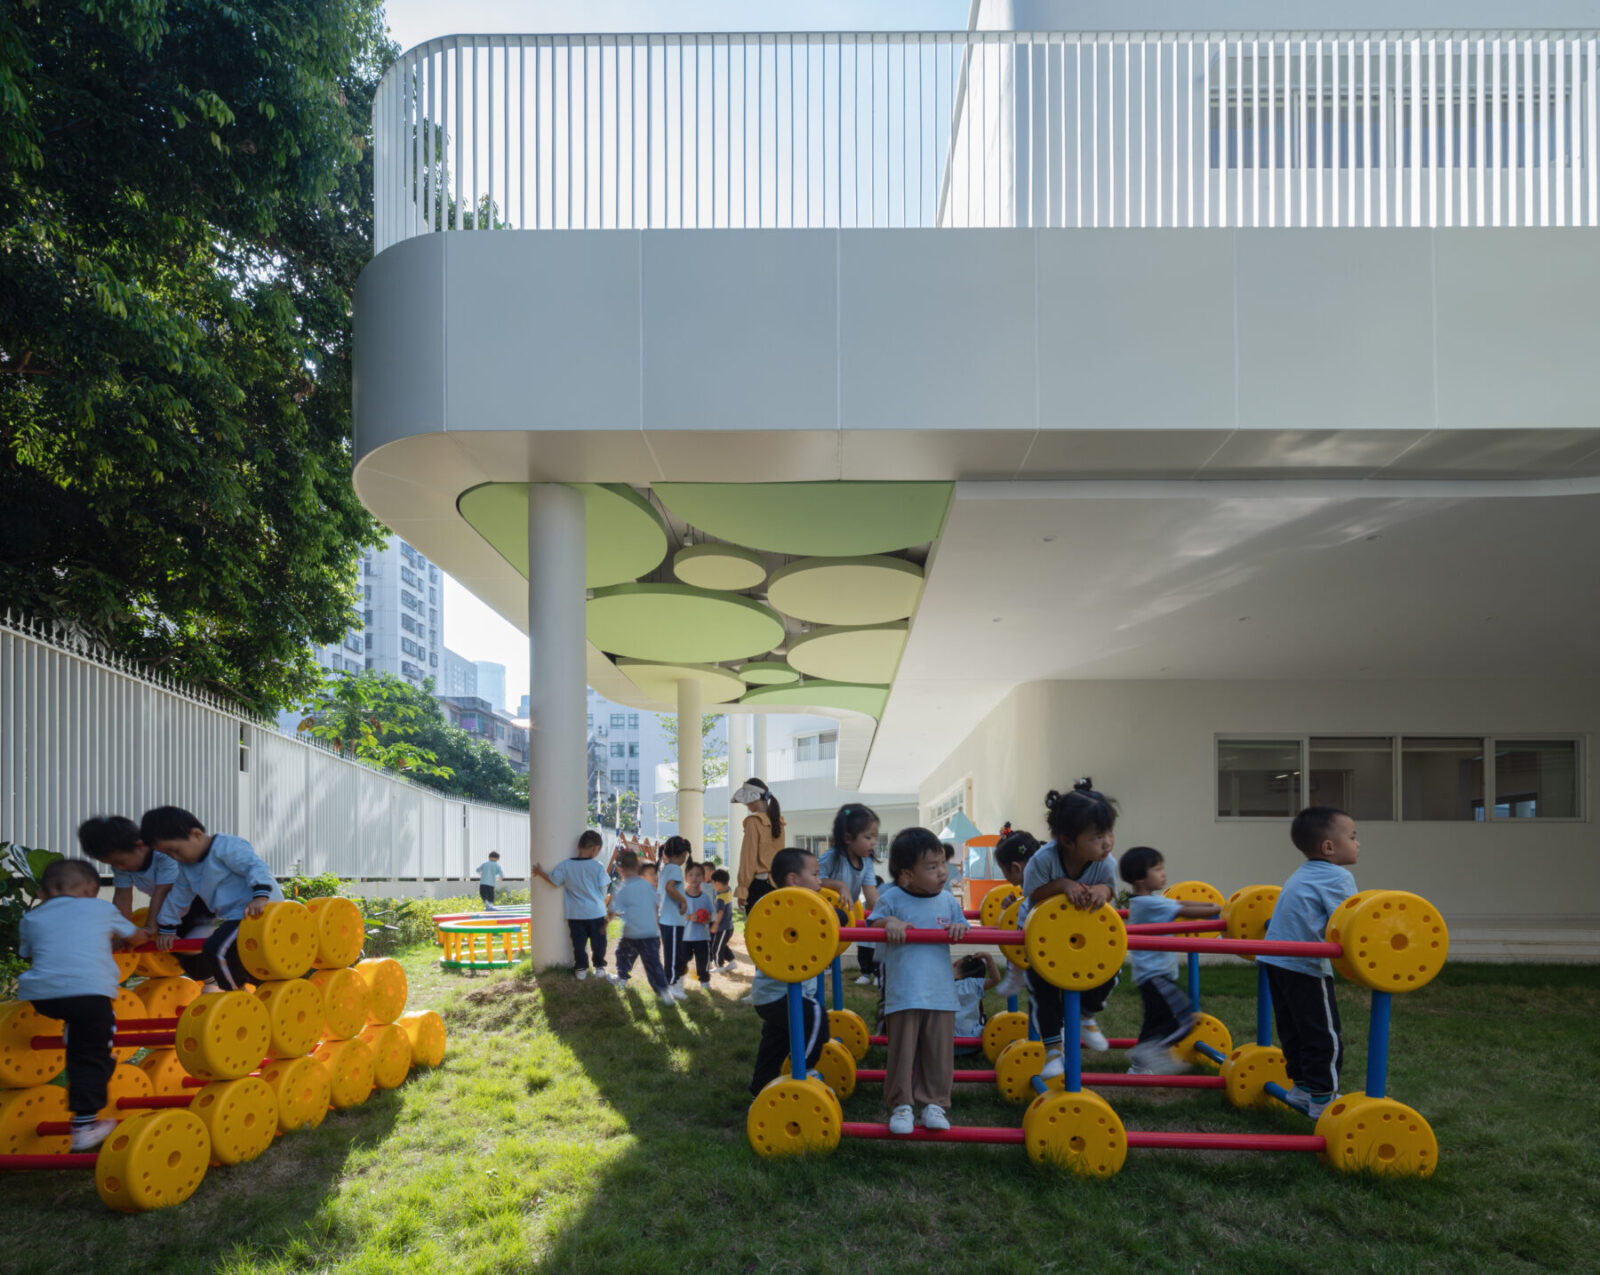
577	1128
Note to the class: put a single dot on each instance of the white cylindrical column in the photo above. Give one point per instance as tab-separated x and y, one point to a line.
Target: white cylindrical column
738	772
758	762
691	774
557	762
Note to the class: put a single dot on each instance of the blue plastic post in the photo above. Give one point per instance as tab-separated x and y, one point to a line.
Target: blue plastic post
1194	981
822	988
838	985
1011	1003
1263	1007
1378	1046
797	1034
1211	1052
1072	1043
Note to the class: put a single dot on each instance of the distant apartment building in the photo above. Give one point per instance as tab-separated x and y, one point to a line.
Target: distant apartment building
480	719
483	679
402	612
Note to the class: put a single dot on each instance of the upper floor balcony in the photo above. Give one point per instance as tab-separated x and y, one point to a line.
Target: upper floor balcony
1050	129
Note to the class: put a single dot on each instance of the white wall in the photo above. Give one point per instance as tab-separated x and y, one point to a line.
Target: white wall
1151	745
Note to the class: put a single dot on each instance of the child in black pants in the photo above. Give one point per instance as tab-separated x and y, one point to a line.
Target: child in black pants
699	916
771	997
69	938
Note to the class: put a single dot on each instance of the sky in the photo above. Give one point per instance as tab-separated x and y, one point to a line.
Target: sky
471	629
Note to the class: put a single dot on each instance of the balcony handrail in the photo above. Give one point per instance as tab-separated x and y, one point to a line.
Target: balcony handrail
954	129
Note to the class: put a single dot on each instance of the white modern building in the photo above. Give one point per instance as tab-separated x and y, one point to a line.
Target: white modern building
1199	399
483	679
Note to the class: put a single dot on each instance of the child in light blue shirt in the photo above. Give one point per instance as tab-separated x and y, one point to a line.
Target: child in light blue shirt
634	901
849	869
700	910
669	893
918	985
790	868
1168	1014
584	879
489	874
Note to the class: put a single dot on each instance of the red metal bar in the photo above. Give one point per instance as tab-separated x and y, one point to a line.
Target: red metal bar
147	1024
959	1040
126	1040
1121	1042
1202	926
178	945
1122	1080
84	1160
1228	1141
971	1133
960	1077
1136	942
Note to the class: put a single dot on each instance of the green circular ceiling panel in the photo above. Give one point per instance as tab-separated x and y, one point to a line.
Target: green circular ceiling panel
679	624
828	518
869	653
719	566
624	536
846	590
660	681
846	695
767	673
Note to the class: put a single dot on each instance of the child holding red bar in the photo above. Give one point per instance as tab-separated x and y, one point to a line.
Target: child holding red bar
771	997
1168	1014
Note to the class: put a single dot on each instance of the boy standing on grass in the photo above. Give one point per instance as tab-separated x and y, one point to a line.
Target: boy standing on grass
634	900
584	879
771	998
489	874
1303	1002
722	933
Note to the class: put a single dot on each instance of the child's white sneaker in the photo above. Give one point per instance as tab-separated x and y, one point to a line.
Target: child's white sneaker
864	981
1090	1035
902	1121
1156	1059
933	1117
1013	983
616	980
581	974
1308	1103
1054	1065
667	998
86	1137
678	992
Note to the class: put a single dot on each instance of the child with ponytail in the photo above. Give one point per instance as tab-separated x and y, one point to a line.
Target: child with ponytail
849	869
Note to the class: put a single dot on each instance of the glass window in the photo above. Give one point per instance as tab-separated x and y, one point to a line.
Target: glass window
1355	773
633	750
619	776
1441	778
619	750
1258	778
1536	778
633	779
805	748
633	720
591	720
827	746
616	719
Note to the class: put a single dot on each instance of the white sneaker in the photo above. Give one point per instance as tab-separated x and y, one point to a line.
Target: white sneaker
933	1117
901	1121
1091	1036
1013	983
1140	1071
864	981
616	980
1155	1059
667	998
581	974
1054	1065
89	1136
1307	1104
678	993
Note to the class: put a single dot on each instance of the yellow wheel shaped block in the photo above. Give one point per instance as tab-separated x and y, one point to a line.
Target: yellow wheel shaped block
294	1014
303	1091
391	1054
838	1069
166	997
1395	942
223	1035
127	964
280	943
1073	949
152	1161
155	964
1247	911
842	915
1248	1070
832	897
165	1071
793	1117
21	1110
1077	1131
340	932
846	1027
127	1005
1207	1030
1001	1030
1336	923
1380	1136
240	1116
792	934
351	1071
1015	1067
995	903
1195	892
21	1065
386	989
1016	953
126	1081
344	1002
426	1033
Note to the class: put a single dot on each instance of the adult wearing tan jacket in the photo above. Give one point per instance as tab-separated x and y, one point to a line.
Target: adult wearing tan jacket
763	838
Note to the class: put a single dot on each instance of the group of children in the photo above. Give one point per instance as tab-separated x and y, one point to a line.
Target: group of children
200	885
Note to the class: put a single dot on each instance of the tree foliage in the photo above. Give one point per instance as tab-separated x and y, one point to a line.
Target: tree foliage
185	196
713	752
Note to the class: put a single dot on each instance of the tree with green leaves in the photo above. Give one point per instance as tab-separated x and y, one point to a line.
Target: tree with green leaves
185	202
713	752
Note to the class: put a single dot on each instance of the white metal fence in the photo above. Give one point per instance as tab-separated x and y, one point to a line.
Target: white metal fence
1369	129
83	734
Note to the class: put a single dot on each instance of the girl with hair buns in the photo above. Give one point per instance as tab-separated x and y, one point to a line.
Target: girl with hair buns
849	868
763	838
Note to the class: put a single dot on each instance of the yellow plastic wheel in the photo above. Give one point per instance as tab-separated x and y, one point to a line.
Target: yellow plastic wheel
21	1065
344	1002
166	997
127	1005
386	989
280	943
995	903
1328	1122
125	1081
341	932
1379	1136
1001	1030
838	1068
165	1071
1247	911
846	1027
294	1014
793	1117
791	934
152	1161
1336	922
1078	1132
1195	892
21	1111
155	964
303	1091
1206	1030
391	1054
1015	1067
127	964
426	1033
240	1115
1073	949
1395	942
1016	953
351	1071
1247	1072
223	1035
